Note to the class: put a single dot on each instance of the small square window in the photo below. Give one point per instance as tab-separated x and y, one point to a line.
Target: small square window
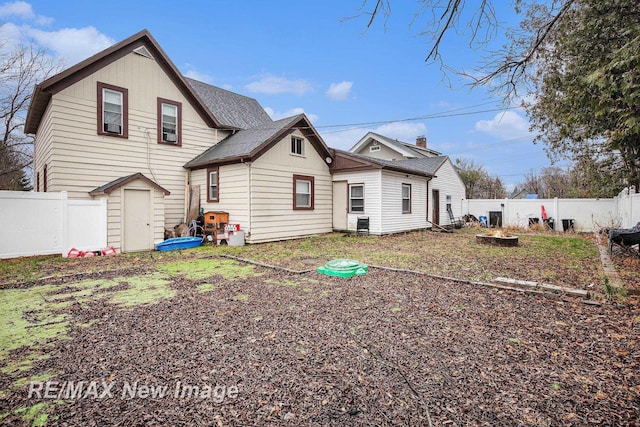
296	146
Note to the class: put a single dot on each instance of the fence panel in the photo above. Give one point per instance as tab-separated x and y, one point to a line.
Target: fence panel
585	214
48	223
86	225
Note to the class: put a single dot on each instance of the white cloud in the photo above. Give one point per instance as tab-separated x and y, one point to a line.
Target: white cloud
273	85
196	75
402	131
277	115
339	91
20	9
23	10
72	44
506	125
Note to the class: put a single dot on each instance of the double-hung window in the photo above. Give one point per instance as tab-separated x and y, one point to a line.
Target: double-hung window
303	189
213	185
356	198
112	110
296	145
169	122
406	198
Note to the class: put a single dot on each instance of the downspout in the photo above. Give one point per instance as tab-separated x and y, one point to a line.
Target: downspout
148	137
187	195
249	175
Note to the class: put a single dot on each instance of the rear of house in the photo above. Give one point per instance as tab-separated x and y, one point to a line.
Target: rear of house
393	198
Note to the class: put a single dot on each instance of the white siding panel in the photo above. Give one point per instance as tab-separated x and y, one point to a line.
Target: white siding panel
393	220
448	182
372	199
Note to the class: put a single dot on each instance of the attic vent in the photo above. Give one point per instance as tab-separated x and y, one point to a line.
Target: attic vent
374	148
143	51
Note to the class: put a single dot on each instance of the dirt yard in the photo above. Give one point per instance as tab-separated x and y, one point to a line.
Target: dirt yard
195	339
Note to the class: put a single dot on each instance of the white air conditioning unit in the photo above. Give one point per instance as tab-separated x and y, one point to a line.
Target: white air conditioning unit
112	128
170	137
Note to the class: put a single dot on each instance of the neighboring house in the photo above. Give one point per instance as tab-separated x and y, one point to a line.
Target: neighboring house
446	189
382	147
127	126
393	196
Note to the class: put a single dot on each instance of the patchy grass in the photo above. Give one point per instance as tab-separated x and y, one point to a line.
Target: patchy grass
204	268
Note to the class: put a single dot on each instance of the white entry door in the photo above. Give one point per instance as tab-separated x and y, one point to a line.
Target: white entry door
137	221
340	205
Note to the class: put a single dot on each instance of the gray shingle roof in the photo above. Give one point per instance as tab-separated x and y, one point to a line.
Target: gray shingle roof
424	164
229	108
418	151
397	165
243	142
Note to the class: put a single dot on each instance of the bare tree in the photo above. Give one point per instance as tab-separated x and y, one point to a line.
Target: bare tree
21	67
506	69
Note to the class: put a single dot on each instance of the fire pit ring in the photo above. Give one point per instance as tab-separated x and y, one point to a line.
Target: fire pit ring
490	239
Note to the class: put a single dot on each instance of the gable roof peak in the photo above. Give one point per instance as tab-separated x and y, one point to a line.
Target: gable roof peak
45	90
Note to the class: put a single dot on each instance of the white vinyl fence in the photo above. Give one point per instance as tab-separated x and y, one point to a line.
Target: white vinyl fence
585	215
48	223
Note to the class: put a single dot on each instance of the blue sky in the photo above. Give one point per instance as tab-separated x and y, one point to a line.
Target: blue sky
303	56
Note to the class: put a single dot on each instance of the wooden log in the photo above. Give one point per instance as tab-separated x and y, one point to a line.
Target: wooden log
581	293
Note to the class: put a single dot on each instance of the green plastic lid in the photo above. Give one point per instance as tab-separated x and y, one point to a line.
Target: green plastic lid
343	268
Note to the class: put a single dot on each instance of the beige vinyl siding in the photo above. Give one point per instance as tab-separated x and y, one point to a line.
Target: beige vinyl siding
272	213
372	202
393	220
448	182
43	149
233	187
114	220
85	160
115	214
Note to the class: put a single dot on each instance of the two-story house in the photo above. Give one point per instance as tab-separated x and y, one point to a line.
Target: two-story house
126	125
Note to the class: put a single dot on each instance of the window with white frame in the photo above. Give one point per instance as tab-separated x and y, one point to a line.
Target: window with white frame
303	189
406	198
356	198
112	108
169	122
213	187
296	145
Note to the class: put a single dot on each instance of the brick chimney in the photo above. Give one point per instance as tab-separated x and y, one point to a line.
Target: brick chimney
421	141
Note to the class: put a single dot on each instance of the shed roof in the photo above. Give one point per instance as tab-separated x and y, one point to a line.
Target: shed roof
117	183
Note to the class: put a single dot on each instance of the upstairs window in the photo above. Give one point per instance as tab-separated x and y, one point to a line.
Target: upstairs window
113	104
406	198
296	145
213	194
303	192
169	122
356	198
